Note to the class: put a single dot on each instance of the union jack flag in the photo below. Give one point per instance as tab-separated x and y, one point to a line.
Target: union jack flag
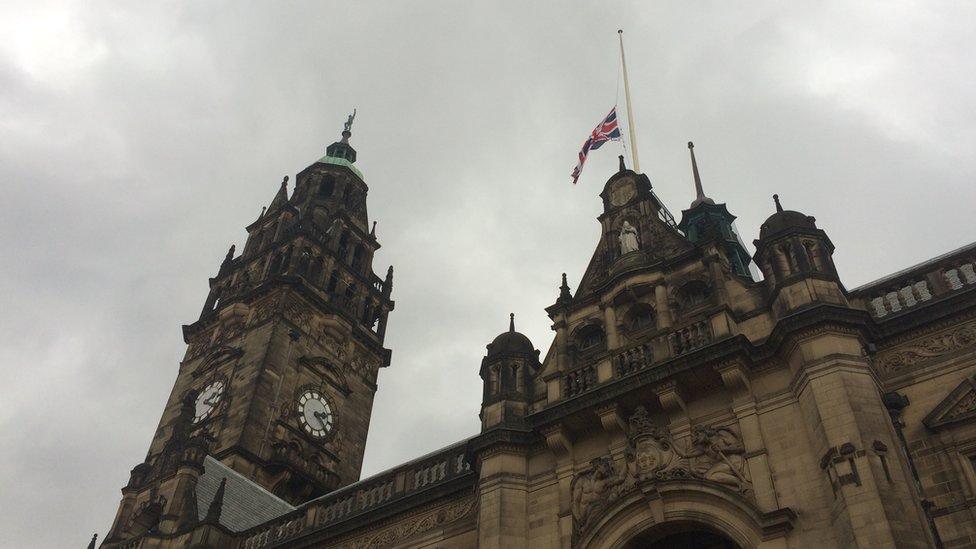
607	130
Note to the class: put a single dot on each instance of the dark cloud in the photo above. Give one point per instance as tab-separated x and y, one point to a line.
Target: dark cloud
137	139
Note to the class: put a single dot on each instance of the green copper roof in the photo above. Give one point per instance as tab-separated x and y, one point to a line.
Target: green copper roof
341	162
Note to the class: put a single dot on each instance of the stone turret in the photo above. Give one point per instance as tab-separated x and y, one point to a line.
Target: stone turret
507	371
795	257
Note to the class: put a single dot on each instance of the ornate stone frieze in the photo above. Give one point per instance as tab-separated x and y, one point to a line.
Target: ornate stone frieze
906	357
714	454
398	531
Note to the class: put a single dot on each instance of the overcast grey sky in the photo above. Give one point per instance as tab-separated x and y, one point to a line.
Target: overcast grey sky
137	139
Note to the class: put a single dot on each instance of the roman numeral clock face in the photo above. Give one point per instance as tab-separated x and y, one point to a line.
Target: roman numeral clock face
315	414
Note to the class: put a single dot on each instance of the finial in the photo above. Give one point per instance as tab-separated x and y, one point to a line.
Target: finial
511	322
389	273
230	253
217	504
372	232
622	166
779	207
564	294
263	209
91	544
284	181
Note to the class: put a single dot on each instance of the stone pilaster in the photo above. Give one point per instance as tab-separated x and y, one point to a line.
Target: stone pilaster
735	376
872	506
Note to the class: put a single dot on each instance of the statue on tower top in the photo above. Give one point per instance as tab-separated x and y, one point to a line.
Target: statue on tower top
347	127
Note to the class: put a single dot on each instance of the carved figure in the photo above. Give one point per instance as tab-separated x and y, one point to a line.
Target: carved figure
628	238
594	489
720	457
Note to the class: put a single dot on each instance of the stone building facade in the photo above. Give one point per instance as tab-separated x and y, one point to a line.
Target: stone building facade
685	401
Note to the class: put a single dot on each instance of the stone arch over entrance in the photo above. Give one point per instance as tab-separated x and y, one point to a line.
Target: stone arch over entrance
681	535
687	510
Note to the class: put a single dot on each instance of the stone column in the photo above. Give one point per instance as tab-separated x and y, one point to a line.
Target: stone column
736	379
610	325
661	305
562	343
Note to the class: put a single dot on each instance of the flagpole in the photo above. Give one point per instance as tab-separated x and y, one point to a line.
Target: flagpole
630	111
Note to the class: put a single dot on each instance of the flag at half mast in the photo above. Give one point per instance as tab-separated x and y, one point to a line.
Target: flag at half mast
607	130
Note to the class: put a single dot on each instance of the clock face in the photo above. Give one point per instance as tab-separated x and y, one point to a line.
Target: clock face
315	413
208	400
622	193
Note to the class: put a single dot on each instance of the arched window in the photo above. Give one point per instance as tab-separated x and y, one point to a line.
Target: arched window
358	254
515	377
333	282
589	338
327	186
493	381
315	271
639	317
343	244
693	294
304	261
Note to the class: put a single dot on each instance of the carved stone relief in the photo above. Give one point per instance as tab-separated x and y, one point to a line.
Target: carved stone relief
933	346
715	454
395	533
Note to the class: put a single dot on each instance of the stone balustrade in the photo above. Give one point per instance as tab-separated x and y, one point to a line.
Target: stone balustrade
913	287
690	337
412	477
635	358
579	380
638	357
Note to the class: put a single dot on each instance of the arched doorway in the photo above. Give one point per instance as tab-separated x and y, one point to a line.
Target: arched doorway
680	535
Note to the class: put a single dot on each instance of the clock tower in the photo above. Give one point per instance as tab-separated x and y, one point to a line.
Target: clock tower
280	370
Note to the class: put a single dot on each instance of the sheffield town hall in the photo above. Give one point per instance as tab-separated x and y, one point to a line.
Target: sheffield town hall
694	395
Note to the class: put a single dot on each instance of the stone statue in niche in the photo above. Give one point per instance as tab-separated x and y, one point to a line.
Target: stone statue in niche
628	238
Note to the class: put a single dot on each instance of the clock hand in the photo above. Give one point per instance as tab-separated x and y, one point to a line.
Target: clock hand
321	417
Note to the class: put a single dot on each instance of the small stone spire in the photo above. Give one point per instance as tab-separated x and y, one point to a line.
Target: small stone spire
623	167
263	209
91	544
372	232
779	207
564	294
281	197
217	505
700	197
230	254
511	322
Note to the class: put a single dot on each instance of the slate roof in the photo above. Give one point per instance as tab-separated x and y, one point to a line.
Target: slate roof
246	504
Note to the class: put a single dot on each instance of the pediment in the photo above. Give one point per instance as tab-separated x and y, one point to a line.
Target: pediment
959	405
